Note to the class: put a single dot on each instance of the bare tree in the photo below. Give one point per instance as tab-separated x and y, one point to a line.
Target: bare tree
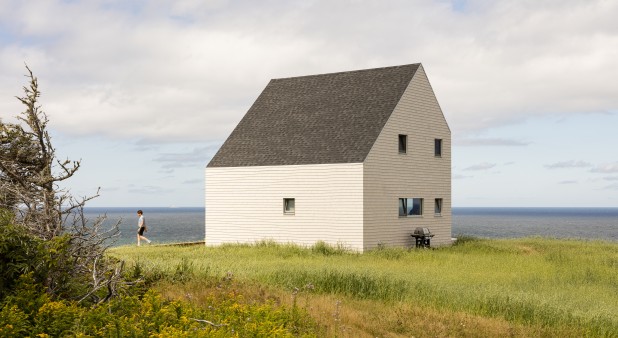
27	162
29	175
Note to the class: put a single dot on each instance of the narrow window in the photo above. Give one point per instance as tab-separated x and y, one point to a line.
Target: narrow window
438	207
403	144
438	147
410	207
402	207
289	206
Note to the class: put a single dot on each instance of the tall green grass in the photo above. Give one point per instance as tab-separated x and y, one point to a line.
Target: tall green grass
534	281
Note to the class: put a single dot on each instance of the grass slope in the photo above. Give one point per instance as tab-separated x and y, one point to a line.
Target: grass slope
529	286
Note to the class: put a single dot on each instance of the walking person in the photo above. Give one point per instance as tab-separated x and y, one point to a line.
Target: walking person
141	223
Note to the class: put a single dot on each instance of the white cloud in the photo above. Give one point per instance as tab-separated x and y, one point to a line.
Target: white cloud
197	156
193	181
480	166
613	186
460	177
568	164
568	182
608	168
489	142
189	70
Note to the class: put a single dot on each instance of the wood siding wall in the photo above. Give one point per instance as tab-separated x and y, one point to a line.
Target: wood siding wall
389	175
245	204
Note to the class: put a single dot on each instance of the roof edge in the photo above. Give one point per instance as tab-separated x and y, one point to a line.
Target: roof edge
418	64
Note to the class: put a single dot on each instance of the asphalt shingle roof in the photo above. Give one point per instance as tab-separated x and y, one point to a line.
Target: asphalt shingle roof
327	118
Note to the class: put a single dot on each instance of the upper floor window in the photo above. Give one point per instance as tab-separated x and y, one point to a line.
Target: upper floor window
289	206
403	144
438	147
410	207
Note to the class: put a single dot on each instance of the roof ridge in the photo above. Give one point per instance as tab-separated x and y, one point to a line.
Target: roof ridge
347	72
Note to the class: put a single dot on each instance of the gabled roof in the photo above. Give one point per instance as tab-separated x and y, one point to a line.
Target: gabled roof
328	118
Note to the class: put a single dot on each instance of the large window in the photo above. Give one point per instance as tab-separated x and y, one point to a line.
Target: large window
289	206
410	207
403	144
438	147
438	207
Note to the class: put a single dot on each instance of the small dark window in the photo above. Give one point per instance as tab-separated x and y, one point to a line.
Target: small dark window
438	148
402	206
403	143
410	207
438	206
289	206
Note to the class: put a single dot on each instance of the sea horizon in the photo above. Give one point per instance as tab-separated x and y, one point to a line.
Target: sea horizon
187	224
460	207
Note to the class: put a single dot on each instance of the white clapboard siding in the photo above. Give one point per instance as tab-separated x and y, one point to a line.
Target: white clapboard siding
389	175
245	204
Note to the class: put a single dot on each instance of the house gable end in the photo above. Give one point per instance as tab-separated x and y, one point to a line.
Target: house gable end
419	80
418	173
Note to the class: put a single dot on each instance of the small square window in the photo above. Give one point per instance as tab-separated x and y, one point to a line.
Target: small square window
438	147
410	207
403	144
438	206
289	206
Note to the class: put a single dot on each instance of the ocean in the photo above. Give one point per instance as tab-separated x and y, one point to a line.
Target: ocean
577	223
167	225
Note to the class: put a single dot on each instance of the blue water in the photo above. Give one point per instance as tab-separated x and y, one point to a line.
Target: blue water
167	225
579	223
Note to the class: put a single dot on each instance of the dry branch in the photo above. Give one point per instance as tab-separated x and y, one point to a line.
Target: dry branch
29	177
208	322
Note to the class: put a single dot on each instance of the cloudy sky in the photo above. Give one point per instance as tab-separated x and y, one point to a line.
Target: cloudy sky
144	92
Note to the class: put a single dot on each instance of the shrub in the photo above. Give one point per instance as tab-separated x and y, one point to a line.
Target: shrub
14	322
28	295
19	252
56	318
28	310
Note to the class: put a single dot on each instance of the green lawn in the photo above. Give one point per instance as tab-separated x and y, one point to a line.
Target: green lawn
564	286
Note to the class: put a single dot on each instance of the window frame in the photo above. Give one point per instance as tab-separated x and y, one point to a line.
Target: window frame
407	204
437	147
402	207
437	207
286	206
402	141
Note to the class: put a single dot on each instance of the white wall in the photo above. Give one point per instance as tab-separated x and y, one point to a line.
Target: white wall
245	204
418	174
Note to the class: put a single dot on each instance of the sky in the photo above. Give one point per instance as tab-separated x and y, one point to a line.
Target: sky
145	92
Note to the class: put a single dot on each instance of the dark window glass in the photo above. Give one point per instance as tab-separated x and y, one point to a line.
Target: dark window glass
438	206
438	148
415	206
410	207
289	206
402	207
403	143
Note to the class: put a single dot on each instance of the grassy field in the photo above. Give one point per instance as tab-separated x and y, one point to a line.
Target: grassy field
518	287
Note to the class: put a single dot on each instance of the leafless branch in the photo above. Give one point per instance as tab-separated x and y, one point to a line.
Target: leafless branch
207	322
29	177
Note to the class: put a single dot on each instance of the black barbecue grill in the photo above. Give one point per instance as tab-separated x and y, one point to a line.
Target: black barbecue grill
423	237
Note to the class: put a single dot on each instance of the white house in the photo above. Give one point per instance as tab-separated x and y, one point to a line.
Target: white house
359	158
